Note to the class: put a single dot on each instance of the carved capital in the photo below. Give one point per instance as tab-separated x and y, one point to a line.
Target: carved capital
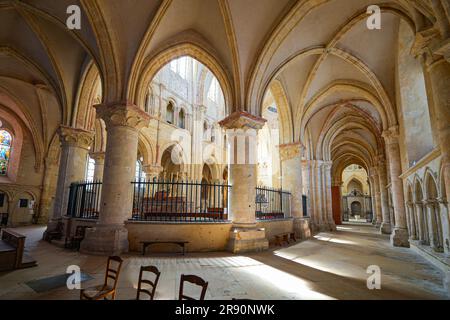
123	114
391	135
290	151
152	170
242	120
97	156
75	137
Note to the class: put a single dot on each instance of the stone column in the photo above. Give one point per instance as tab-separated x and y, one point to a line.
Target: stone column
75	144
445	219
306	168
412	221
99	158
292	181
123	122
316	196
423	231
439	74
48	189
376	181
375	220
241	129
399	236
328	197
384	198
430	207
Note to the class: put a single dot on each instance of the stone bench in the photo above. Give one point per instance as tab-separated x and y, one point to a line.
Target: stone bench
181	243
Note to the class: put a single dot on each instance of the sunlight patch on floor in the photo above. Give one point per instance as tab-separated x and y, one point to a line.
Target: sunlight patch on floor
284	282
334	240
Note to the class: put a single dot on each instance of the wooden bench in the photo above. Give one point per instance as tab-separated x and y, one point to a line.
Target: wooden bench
181	243
284	237
12	256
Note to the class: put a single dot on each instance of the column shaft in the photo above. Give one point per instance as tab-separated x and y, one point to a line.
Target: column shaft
241	129
123	122
75	144
399	236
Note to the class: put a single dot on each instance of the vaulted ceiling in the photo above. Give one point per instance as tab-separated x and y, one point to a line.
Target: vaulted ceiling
317	53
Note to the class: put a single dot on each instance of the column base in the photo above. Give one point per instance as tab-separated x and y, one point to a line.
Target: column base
323	227
332	226
378	225
399	238
247	240
302	228
385	228
52	226
105	240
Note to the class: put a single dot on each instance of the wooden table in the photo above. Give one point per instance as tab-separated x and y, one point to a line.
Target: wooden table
181	243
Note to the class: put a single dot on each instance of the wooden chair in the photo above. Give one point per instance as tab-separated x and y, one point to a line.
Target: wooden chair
104	290
149	291
195	280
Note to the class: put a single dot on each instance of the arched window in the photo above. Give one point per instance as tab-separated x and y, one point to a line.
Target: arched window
90	169
182	119
140	174
170	113
213	91
179	66
5	151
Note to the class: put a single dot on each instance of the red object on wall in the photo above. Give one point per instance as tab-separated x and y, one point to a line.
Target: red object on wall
336	204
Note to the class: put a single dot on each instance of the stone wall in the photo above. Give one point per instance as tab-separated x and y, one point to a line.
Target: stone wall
201	236
274	227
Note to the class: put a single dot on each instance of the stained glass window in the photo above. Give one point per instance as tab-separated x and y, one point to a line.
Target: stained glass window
5	151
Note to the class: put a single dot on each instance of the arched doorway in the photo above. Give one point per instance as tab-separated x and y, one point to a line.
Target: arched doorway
356	209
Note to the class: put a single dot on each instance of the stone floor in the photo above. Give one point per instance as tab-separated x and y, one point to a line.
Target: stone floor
328	266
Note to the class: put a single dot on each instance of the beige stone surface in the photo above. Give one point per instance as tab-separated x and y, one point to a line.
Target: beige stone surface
328	266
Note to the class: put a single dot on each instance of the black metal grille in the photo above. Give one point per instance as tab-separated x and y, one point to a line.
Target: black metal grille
176	200
84	199
272	203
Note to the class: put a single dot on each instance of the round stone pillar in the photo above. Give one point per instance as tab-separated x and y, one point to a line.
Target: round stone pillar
75	144
376	182
399	236
241	129
328	205
445	219
292	181
412	221
422	231
123	122
99	158
384	197
439	73
430	206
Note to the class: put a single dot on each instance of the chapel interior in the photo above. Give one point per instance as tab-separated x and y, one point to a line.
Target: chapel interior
284	146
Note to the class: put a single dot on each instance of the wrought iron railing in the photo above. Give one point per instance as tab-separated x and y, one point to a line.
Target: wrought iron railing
272	203
305	206
84	199
177	200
